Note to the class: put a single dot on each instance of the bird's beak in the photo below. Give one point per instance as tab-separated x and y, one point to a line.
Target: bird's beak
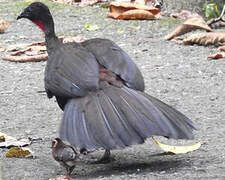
23	15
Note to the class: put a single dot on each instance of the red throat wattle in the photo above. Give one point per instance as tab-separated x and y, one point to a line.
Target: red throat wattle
39	24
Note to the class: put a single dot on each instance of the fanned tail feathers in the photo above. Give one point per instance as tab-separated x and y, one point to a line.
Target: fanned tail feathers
115	117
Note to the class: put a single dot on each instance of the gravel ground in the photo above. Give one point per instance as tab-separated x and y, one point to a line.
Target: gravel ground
178	75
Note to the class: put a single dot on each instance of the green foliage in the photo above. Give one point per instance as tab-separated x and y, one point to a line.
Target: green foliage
213	8
212	11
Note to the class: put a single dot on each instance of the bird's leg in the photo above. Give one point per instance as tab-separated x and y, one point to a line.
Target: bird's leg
69	171
106	158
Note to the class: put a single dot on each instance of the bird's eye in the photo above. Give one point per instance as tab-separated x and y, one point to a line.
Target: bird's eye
29	9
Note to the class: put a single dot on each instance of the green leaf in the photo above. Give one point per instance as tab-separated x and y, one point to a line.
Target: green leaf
90	27
212	11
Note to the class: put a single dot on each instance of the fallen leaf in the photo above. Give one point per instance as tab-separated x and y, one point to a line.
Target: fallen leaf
133	14
33	52
178	149
205	38
217	55
18	152
35	58
221	48
220	53
3	25
7	137
15	143
189	25
122	10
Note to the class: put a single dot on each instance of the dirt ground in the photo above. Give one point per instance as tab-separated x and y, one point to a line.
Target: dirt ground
181	76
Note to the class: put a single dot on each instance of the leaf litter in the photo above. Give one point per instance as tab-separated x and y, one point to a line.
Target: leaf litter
33	52
16	146
132	11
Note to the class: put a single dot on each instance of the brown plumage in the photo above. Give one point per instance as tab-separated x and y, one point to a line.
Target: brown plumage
65	154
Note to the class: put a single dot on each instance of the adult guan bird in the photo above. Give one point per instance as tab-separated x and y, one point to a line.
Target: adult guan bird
101	91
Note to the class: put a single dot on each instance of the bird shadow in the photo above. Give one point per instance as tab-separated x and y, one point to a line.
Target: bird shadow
122	167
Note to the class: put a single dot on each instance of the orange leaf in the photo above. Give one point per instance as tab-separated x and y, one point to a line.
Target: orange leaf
133	14
132	11
205	38
191	24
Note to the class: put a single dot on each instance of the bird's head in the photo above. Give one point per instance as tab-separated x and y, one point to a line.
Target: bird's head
38	13
56	142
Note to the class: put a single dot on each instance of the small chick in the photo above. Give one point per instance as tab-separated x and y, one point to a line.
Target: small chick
65	154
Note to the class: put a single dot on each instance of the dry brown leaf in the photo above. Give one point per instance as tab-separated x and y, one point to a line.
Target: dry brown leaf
217	55
205	38
132	11
3	25
33	52
133	14
191	24
35	58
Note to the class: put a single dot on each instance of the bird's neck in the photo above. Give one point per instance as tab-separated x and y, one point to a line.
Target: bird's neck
51	39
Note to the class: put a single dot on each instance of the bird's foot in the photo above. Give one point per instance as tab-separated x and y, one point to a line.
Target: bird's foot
61	178
106	158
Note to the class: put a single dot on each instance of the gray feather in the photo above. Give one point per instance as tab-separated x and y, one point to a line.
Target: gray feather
118	117
111	56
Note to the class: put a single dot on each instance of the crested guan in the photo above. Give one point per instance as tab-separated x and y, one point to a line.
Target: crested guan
101	91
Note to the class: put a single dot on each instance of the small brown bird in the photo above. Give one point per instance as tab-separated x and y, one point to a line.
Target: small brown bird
65	154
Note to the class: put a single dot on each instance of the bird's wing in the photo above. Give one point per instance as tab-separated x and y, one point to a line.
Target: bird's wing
65	154
71	71
112	57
